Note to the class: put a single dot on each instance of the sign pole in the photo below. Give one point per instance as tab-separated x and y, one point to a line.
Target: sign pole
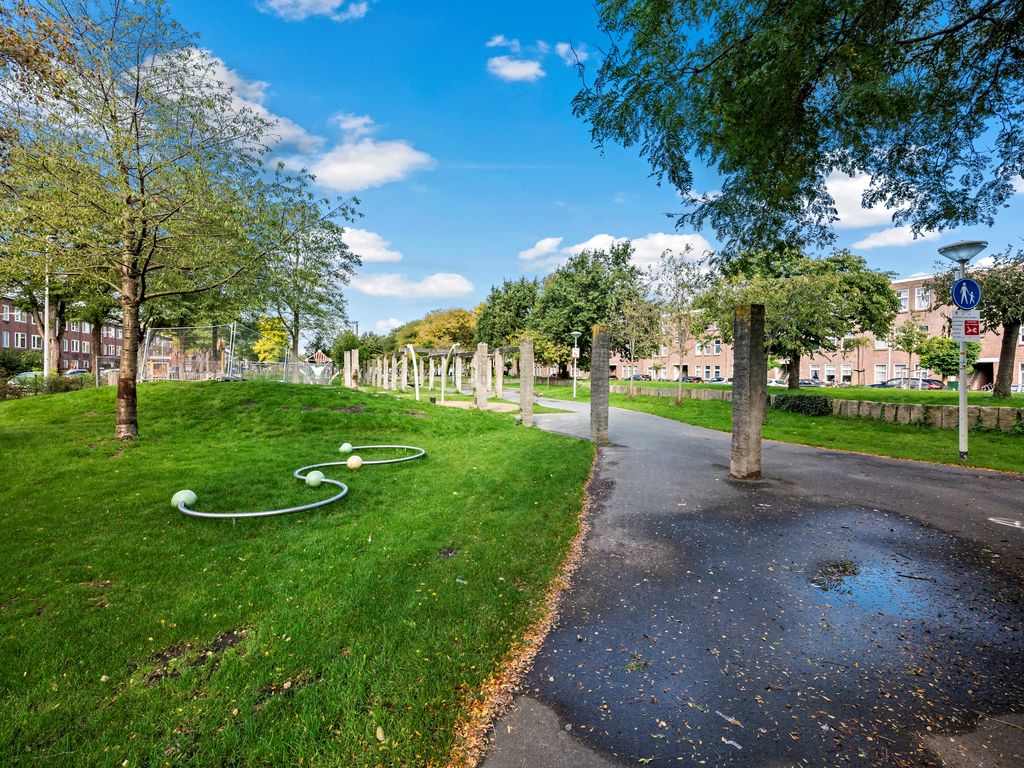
962	385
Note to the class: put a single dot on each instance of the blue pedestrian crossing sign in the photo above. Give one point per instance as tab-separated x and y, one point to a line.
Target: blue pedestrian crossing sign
966	293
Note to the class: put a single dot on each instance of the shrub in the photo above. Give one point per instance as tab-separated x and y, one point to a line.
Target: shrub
808	405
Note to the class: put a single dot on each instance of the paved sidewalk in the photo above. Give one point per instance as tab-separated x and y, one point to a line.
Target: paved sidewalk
848	610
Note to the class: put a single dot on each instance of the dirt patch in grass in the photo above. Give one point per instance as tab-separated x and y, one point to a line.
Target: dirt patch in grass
170	660
287	688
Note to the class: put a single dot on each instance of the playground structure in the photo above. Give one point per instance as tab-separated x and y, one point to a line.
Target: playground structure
184	500
442	370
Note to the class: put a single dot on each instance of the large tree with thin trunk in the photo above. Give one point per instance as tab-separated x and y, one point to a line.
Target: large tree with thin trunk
924	97
153	175
1002	307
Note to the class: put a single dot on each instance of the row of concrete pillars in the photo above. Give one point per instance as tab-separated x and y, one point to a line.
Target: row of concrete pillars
486	372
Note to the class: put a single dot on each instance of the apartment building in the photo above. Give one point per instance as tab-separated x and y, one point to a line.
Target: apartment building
871	364
21	332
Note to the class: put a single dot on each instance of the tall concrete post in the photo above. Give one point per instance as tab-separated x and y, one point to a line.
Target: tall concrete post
431	362
458	373
599	355
499	374
347	369
481	370
403	381
355	368
749	384
487	373
526	380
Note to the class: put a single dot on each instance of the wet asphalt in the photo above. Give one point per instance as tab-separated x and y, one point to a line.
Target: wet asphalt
847	610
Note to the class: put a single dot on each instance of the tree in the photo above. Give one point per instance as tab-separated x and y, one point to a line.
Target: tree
923	97
154	171
591	288
678	281
273	340
306	277
505	315
909	337
942	355
637	324
810	304
1002	308
444	327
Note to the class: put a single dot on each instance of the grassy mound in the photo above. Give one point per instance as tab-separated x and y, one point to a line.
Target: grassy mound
349	635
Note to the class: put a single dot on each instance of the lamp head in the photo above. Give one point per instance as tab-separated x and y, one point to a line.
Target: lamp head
963	251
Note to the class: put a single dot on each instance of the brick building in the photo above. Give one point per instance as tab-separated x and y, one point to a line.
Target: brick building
20	331
871	364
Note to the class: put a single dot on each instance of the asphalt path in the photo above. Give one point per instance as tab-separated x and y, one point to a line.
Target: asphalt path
846	610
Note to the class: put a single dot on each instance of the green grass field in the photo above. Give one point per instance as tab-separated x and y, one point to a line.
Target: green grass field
349	635
991	450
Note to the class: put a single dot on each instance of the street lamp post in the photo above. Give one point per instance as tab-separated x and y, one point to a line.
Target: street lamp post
575	358
961	253
46	322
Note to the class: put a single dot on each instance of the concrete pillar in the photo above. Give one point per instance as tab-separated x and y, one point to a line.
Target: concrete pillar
526	380
431	362
403	381
481	370
458	373
599	355
355	369
347	369
486	362
499	374
749	384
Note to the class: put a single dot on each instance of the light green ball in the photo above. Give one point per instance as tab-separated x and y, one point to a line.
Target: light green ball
188	497
346	448
314	478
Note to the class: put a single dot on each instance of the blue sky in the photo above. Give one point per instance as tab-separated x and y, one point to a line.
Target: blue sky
452	124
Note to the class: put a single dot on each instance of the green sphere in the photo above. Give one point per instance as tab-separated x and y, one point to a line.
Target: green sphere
346	448
188	497
314	478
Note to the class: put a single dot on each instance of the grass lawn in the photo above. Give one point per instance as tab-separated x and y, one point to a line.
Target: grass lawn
991	450
353	635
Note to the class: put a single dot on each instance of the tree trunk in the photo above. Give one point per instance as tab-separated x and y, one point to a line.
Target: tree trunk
214	367
96	330
295	334
127	415
794	371
1007	357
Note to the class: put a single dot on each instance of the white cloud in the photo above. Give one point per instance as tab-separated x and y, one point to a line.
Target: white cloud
360	161
500	41
297	10
565	52
894	237
386	326
1018	185
438	286
548	254
515	70
544	247
369	246
847	192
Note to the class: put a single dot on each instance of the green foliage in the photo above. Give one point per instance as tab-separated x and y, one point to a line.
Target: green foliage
942	355
505	315
273	340
923	97
13	362
808	405
591	288
909	338
444	327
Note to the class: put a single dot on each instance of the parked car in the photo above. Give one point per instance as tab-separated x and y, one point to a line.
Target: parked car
777	383
812	383
905	383
691	380
719	380
77	372
640	377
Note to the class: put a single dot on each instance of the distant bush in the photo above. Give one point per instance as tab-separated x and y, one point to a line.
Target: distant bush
808	405
10	391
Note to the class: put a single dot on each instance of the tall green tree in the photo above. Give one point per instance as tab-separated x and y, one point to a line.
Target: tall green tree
810	304
909	337
924	97
1002	307
154	171
678	281
942	355
592	287
505	314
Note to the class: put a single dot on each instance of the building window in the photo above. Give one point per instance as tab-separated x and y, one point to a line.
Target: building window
75	346
85	327
881	344
847	373
20	340
923	328
664	351
718	347
20	316
900	371
698	349
74	326
830	373
85	364
120	333
37	342
65	345
922	298
7	339
86	346
7	312
904	297
881	373
707	372
718	371
815	371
